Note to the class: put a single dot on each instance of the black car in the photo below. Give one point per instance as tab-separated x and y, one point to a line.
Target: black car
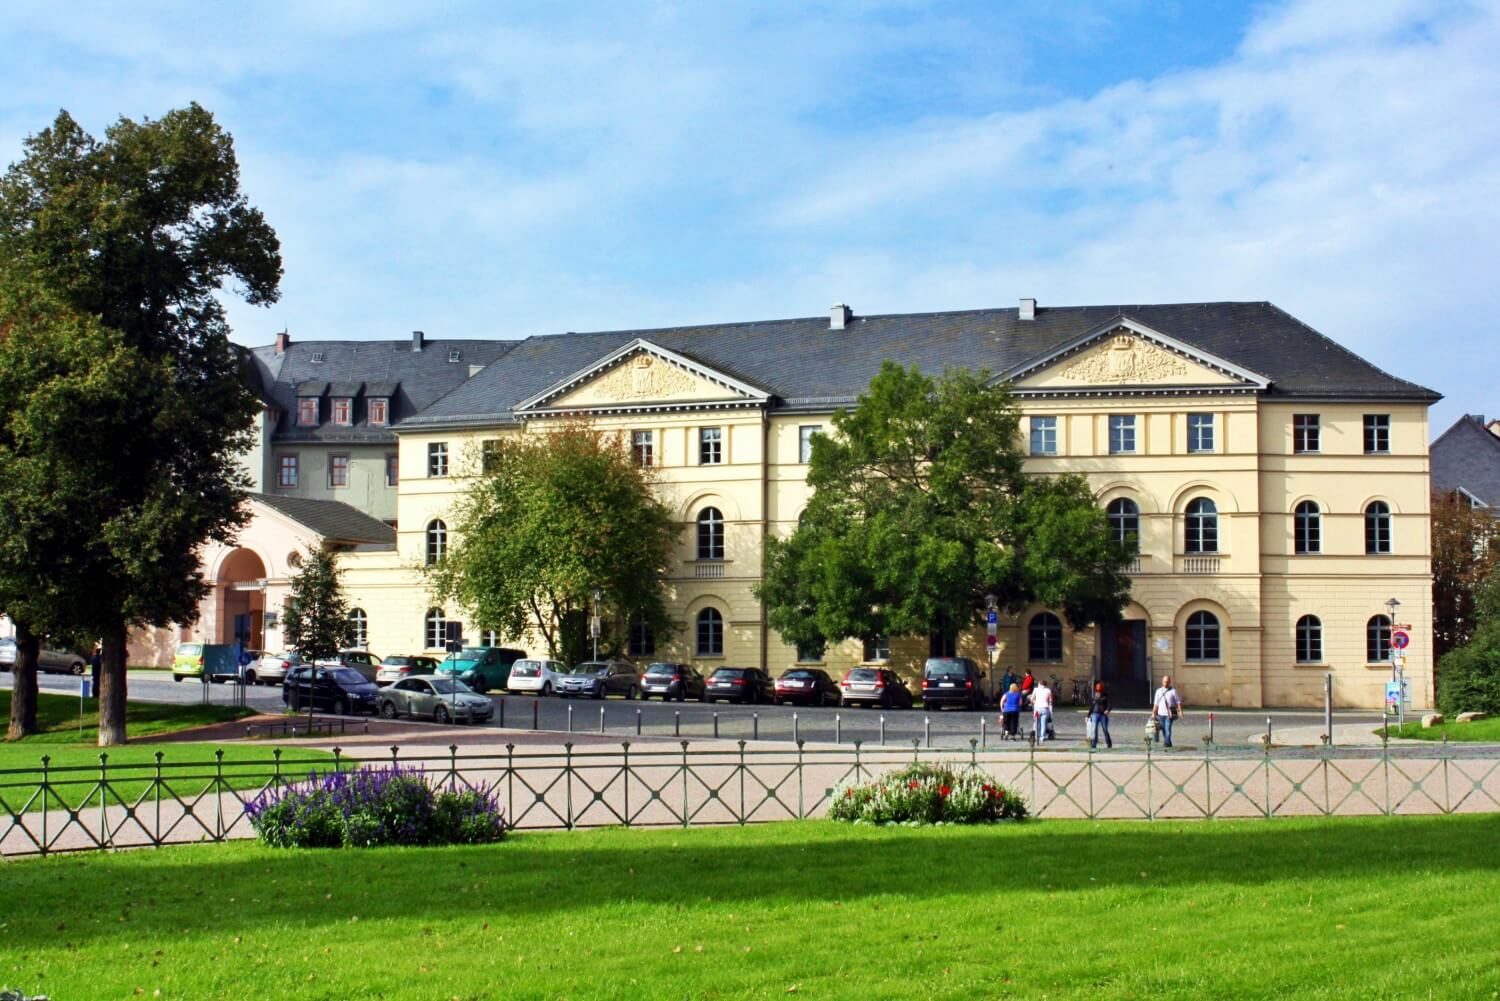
808	686
739	684
952	681
672	681
339	690
875	686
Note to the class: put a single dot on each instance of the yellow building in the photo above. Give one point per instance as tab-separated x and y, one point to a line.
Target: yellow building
1278	484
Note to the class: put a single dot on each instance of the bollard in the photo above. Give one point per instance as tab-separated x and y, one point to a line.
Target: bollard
534	704
637	722
795	736
1268	731
882	729
716	724
1210	728
502	712
755	724
983	742
838	729
926	731
570	719
601	718
677	722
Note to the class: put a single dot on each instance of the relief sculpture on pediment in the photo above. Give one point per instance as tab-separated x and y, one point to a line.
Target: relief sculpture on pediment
642	378
1126	361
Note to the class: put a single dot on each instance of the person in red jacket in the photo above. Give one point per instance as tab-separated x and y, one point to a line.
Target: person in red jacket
1027	684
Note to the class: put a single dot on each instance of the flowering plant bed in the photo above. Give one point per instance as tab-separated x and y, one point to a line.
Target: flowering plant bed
370	807
926	794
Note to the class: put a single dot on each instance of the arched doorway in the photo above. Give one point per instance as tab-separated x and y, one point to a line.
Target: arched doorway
1124	661
242	600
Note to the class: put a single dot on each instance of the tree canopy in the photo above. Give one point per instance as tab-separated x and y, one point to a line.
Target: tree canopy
920	510
1468	677
1465	551
316	623
139	231
551	517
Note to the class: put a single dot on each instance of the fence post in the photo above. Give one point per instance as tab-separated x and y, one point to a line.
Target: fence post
510	780
1150	801
1385	770
858	768
1266	759
337	752
800	810
453	768
1031	762
916	755
46	795
742	782
1447	808
156	788
568	780
103	796
625	771
395	752
974	753
685	779
1088	769
218	793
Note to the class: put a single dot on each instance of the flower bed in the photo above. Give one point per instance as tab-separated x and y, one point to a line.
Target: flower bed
926	794
370	807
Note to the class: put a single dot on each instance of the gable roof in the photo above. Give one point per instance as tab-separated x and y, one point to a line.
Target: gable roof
411	379
734	388
805	364
334	520
1467	457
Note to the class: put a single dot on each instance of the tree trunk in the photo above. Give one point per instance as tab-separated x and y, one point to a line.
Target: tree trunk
112	687
23	684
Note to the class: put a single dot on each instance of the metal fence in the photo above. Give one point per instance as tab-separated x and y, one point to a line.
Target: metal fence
54	808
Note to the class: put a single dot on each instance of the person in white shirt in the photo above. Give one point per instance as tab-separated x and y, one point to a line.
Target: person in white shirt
1041	710
1166	706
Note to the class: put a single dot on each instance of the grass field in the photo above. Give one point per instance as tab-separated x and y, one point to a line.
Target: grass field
1481	730
1351	908
74	758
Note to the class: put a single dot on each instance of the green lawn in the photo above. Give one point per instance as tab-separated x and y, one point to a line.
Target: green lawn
1485	730
58	718
1338	909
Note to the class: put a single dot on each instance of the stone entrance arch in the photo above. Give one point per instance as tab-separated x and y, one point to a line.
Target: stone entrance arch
240	590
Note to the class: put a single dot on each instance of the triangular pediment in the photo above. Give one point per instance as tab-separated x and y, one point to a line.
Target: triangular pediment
642	376
1124	355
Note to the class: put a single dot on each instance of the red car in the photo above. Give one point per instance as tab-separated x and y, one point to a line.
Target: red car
808	686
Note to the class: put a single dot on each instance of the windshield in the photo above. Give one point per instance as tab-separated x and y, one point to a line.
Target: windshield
588	667
526	669
864	674
446	686
346	676
730	672
473	652
946	669
191	649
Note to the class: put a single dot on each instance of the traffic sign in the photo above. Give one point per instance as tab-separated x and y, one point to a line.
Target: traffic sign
990	640
993	618
1400	639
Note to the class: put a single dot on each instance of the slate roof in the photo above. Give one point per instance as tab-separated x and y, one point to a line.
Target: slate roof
334	520
805	364
412	379
1467	456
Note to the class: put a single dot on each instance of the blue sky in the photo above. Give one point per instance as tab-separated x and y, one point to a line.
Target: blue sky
500	170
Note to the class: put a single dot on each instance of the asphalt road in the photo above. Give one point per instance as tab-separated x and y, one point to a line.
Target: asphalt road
692	720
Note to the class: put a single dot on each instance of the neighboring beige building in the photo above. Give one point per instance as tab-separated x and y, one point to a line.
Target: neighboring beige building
1277	482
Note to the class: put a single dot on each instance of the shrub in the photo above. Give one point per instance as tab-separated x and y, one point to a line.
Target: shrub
370	807
1469	677
926	794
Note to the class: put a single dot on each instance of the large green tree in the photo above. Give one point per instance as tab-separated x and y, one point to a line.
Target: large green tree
1465	551
551	517
1469	675
143	230
920	510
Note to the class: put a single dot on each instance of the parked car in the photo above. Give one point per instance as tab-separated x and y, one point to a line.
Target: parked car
537	677
339	690
363	661
739	684
875	686
481	667
271	668
952	681
808	686
598	678
444	700
672	681
50	658
8	652
393	669
215	661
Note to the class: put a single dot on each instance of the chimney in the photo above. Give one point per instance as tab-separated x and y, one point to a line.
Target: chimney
1028	309
839	316
418	340
282	340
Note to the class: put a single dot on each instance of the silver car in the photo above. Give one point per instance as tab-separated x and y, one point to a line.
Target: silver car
363	661
271	668
444	700
538	677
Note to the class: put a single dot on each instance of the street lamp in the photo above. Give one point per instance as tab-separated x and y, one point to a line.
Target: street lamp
1397	662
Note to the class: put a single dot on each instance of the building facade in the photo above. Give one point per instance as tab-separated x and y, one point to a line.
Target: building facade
1277	483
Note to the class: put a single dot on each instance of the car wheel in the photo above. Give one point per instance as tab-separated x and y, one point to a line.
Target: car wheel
480	686
441	715
250	678
339	707
177	677
707	698
546	690
79	668
388	710
630	695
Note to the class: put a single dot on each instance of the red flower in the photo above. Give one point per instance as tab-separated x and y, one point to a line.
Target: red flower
914	783
944	790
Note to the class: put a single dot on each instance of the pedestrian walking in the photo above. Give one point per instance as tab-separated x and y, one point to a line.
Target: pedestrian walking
1041	711
96	663
1099	717
1166	708
1028	686
1010	712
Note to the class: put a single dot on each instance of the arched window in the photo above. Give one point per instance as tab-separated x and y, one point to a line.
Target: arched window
710	633
359	628
1378	528
437	541
1044	637
1202	637
1307	529
1378	639
1124	520
1309	640
437	629
1202	526
710	534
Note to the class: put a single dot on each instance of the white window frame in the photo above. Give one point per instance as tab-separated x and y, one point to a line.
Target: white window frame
1044	434
1200	432
1122	427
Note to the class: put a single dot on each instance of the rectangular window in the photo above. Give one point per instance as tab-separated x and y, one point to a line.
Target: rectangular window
710	446
343	411
1377	433
643	445
1200	433
307	411
1121	434
1044	436
437	458
878	648
942	643
392	469
380	411
338	470
809	653
1305	433
804	441
286	471
642	639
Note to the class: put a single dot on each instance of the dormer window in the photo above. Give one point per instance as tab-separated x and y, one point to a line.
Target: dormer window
317	357
307	411
380	412
343	411
453	356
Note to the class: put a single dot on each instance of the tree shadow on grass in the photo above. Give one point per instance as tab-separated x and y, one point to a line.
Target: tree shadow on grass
242	889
